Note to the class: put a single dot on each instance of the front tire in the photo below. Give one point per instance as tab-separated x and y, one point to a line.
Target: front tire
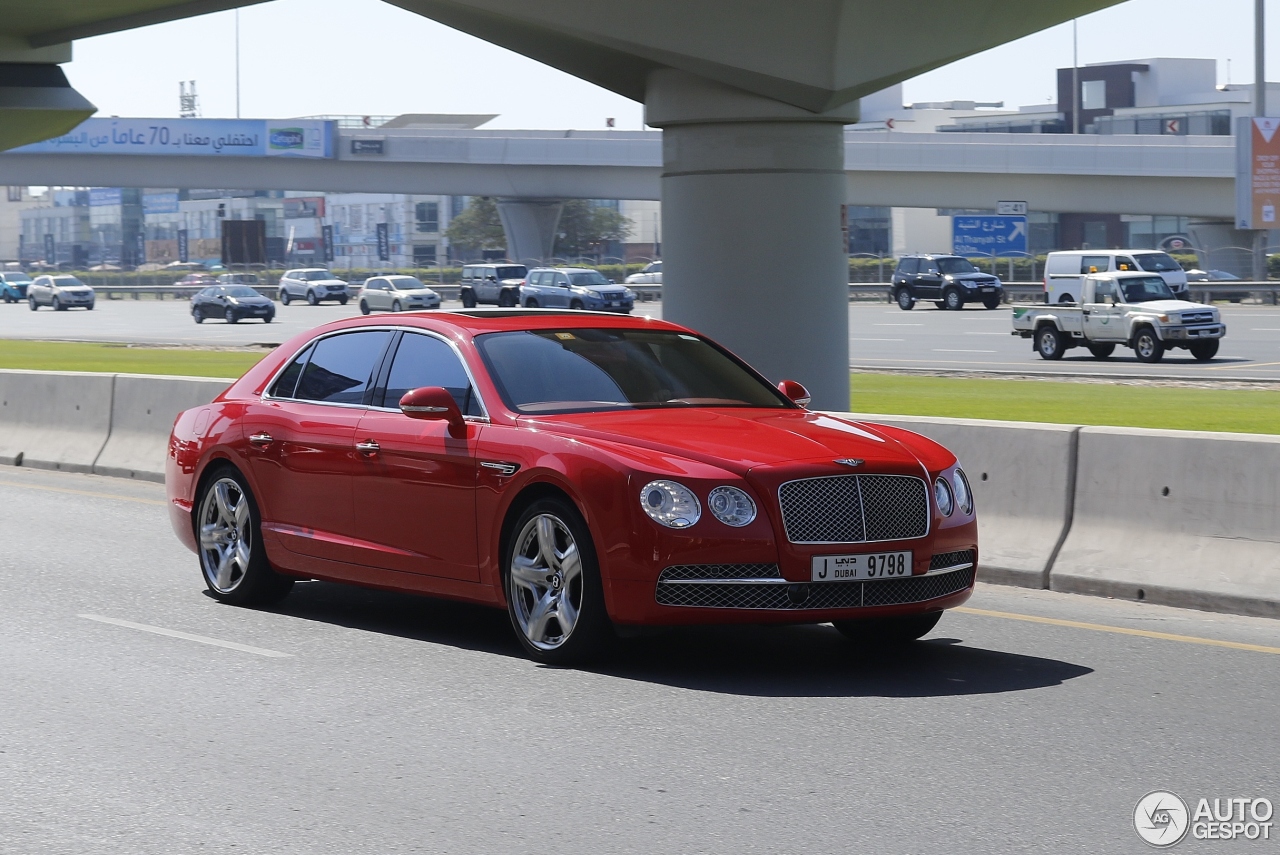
1147	346
230	316
507	300
992	304
197	315
31	301
953	300
56	304
1203	351
904	299
468	299
342	301
312	299
554	594
284	297
888	632
395	306
1049	342
233	559
531	303
576	305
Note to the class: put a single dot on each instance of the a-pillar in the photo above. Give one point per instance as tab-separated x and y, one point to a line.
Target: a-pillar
530	226
753	255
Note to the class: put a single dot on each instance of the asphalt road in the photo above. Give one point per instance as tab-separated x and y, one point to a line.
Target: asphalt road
881	336
139	716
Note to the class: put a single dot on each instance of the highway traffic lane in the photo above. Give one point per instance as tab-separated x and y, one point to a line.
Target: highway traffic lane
396	723
880	335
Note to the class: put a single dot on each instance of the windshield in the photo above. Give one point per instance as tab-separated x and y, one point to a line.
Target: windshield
584	280
17	277
241	291
955	265
311	275
67	281
1157	262
516	272
408	283
1145	290
585	370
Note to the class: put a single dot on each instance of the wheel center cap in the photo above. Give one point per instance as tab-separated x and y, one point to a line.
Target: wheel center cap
234	535
556	582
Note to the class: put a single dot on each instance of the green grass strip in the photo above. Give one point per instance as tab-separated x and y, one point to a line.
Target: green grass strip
1163	407
116	358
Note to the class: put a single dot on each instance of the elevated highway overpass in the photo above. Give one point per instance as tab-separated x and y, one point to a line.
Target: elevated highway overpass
1184	175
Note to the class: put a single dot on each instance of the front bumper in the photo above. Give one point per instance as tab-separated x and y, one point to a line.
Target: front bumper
1193	333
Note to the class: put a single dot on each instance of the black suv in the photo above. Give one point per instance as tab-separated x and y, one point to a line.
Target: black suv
949	281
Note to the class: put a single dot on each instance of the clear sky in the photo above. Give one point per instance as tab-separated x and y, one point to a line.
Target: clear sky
310	57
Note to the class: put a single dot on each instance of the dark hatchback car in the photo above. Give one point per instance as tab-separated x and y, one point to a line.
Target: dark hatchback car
232	303
948	281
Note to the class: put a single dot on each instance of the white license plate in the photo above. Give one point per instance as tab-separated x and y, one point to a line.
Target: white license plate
852	568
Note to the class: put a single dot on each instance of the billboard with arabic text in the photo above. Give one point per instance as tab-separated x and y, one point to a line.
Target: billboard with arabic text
194	137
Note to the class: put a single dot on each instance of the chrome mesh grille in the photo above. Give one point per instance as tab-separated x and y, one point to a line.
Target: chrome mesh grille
822	595
950	559
720	571
854	508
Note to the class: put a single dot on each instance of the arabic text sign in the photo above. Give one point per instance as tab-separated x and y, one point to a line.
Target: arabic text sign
200	137
988	234
1257	173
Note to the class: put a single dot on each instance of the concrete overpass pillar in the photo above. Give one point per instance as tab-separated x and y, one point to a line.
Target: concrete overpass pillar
530	225
753	252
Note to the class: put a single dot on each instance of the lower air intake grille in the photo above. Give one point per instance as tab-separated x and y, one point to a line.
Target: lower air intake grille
730	594
950	559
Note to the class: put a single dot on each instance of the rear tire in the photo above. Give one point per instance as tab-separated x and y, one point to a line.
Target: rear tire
904	299
953	300
1049	342
1203	351
468	299
507	300
226	519
364	307
1101	351
888	632
1147	346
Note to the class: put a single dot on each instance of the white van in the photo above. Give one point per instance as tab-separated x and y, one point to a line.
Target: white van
1064	272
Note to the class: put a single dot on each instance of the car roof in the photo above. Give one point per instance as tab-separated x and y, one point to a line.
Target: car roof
568	269
480	321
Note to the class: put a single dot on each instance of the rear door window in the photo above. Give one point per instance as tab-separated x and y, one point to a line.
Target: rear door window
1095	263
423	360
908	266
341	367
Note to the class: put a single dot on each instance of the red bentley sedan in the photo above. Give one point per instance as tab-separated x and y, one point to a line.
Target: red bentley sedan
589	472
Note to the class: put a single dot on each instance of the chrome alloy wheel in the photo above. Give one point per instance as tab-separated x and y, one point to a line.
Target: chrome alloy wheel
226	535
546	582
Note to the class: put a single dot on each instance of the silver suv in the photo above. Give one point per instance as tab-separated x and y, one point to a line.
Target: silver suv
498	284
313	284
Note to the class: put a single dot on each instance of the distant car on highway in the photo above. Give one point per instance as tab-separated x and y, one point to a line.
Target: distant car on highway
60	293
232	303
494	284
195	280
13	286
948	281
396	294
651	275
313	284
580	471
1197	275
574	288
250	279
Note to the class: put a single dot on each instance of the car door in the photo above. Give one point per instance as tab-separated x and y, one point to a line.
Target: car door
373	293
414	491
39	290
301	442
1102	319
929	281
559	292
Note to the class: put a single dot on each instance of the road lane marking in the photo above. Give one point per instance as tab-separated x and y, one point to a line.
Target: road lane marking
1249	367
876	339
897	325
92	493
186	636
944	350
1006	335
1123	630
1265	329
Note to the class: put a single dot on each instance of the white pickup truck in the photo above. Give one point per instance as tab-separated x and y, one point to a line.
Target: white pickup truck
1136	310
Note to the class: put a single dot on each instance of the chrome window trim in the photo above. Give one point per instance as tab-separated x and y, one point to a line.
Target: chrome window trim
928	501
484	418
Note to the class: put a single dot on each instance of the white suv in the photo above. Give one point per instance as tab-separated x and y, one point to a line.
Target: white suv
312	284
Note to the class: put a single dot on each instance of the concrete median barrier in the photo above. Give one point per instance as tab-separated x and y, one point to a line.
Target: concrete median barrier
142	412
1176	517
1022	478
54	419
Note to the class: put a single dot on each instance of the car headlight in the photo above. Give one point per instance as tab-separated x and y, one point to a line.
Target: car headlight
731	506
670	504
942	495
629	294
964	496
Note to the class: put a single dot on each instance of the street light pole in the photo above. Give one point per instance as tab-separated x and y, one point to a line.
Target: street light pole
1259	110
237	63
1075	75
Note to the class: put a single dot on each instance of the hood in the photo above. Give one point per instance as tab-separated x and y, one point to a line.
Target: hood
1165	306
972	277
736	439
257	300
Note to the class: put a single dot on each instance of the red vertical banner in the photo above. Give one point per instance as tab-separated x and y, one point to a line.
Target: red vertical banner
1264	169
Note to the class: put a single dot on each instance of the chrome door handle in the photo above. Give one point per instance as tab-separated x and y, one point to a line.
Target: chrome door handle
261	439
368	447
